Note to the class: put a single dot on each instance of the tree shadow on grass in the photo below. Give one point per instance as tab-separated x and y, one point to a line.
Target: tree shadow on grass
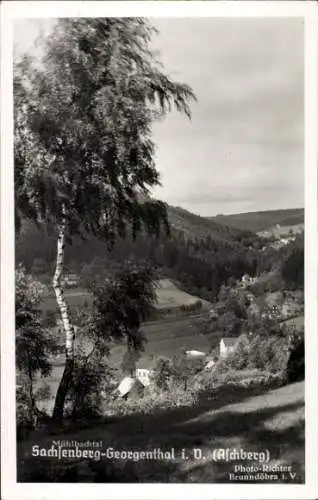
165	419
286	447
178	428
160	420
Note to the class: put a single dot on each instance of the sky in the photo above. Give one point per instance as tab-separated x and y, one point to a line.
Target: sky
243	149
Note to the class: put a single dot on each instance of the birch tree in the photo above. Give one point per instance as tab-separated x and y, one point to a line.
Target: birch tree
84	155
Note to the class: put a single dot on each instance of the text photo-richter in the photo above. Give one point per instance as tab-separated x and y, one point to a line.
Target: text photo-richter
159	209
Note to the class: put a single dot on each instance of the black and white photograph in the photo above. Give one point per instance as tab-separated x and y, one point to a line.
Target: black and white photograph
159	262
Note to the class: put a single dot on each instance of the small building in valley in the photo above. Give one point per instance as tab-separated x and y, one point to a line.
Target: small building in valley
227	345
210	364
129	386
144	376
213	313
71	280
195	354
145	369
134	385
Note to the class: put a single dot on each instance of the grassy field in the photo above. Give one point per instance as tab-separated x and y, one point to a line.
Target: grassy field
168	295
252	420
164	338
76	298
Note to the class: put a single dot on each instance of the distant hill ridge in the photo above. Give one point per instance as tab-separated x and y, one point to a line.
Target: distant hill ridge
195	225
259	221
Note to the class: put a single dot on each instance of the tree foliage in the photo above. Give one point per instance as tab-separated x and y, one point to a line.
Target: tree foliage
84	155
33	344
184	367
83	127
296	361
293	266
162	373
123	303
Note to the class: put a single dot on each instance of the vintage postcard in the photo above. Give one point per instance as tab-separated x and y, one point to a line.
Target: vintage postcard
159	250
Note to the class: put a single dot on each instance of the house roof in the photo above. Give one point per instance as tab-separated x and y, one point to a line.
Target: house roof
229	341
274	298
210	364
127	384
145	363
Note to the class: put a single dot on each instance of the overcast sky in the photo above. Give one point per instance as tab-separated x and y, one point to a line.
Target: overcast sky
243	150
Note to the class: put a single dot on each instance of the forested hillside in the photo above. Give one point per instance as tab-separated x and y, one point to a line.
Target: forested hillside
200	254
258	221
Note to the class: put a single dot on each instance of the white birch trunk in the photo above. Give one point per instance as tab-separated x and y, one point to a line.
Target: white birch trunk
60	298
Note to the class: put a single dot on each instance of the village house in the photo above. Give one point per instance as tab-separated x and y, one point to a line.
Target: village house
71	280
220	308
227	345
144	376
273	304
195	354
212	359
213	313
250	298
136	384
247	281
271	311
129	386
265	234
210	364
254	310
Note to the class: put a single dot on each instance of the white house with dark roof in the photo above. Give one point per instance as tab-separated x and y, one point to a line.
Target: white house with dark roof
144	375
127	386
227	345
71	280
144	370
210	364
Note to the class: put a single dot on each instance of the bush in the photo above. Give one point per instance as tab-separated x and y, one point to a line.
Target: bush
49	320
90	378
293	267
183	368
24	415
153	400
265	353
295	370
43	392
222	378
162	373
33	344
269	353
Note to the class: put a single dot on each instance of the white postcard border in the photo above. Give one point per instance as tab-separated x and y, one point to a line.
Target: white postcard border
12	490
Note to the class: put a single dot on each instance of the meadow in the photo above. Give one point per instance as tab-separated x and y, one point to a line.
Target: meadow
164	337
168	296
